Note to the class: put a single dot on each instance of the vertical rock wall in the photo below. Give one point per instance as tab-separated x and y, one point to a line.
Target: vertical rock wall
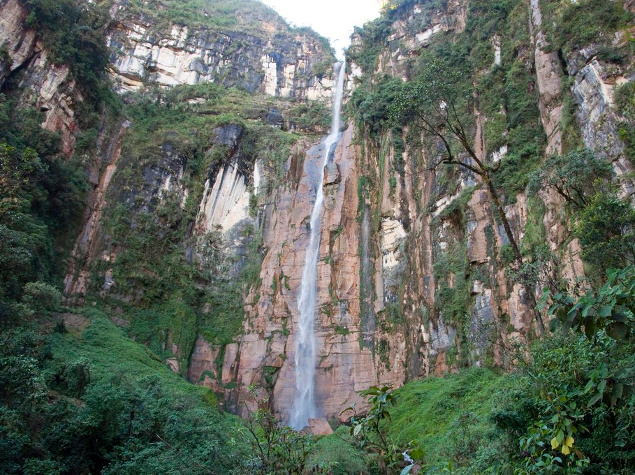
266	350
278	61
45	86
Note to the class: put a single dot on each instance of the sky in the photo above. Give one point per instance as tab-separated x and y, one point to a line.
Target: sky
333	19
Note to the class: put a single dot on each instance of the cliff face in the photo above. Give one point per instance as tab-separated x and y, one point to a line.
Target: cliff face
266	350
269	61
435	236
47	87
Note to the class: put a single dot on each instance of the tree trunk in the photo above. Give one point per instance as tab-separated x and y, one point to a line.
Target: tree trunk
519	258
503	218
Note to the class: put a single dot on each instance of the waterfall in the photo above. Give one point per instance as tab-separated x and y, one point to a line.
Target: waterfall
304	407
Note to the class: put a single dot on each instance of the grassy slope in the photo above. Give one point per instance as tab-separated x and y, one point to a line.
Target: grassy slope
438	412
110	351
118	362
448	417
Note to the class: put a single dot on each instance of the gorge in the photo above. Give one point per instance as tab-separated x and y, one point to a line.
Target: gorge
201	217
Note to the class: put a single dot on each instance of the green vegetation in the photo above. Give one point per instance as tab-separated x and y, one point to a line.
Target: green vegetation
575	176
567	409
370	429
308	116
391	319
583	22
188	115
625	105
41	197
453	297
371	104
238	16
275	448
338	454
448	417
88	399
603	223
606	229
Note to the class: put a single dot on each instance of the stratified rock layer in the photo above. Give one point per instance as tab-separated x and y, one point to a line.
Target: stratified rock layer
275	62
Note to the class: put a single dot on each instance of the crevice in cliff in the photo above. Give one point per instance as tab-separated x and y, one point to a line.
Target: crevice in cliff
83	254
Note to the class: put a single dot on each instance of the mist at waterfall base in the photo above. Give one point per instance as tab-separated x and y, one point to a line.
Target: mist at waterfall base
304	405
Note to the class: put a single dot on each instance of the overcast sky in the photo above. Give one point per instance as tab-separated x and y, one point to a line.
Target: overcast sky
333	19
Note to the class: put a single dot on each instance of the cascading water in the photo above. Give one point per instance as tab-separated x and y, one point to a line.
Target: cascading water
304	407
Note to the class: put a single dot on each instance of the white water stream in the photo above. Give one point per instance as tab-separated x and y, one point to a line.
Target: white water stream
304	406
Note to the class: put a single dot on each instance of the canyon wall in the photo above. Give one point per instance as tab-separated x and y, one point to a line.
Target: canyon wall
436	239
46	86
273	59
197	220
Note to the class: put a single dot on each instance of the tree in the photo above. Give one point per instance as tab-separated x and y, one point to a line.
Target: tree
611	308
606	229
275	448
373	433
19	173
576	176
42	297
591	363
444	105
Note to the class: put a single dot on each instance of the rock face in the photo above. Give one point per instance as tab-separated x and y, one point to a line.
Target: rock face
266	352
47	87
549	79
320	427
272	63
18	41
414	233
593	92
415	31
86	246
398	253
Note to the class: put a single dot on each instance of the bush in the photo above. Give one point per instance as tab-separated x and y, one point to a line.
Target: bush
576	176
42	297
583	22
606	229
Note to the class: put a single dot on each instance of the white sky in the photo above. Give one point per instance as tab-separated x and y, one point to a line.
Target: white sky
333	19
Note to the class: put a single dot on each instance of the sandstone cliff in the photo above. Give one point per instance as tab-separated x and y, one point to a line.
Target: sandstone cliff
436	241
268	58
46	86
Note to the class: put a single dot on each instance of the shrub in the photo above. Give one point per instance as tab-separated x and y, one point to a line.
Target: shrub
42	297
576	176
606	229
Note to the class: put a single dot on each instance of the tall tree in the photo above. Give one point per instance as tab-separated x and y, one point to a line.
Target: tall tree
443	103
